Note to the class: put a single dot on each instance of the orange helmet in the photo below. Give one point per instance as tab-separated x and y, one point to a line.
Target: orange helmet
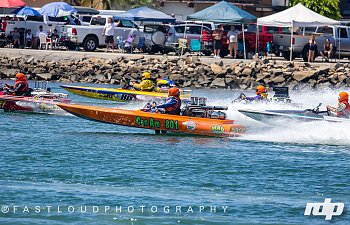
343	96
260	89
174	91
21	76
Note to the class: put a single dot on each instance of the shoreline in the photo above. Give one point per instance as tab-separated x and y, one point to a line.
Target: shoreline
188	71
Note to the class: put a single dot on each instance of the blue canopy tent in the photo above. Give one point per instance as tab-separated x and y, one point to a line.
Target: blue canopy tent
145	14
27	11
57	9
225	12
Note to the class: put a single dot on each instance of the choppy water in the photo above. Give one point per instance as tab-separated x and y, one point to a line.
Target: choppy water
53	166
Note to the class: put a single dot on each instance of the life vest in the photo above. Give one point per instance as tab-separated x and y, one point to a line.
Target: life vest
264	96
23	89
147	85
346	112
176	108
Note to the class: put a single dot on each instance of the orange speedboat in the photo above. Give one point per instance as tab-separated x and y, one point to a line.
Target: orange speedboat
214	122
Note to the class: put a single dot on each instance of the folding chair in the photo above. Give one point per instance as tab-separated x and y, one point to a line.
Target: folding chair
141	44
120	44
44	41
181	46
128	45
195	46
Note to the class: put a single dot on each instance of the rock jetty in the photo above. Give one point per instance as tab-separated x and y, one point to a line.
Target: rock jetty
185	72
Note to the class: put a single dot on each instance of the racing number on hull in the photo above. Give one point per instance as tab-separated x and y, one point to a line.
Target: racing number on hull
172	124
124	97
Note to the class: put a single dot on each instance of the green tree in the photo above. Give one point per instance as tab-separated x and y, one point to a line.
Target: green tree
328	8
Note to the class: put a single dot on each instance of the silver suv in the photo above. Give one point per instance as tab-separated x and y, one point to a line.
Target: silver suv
164	37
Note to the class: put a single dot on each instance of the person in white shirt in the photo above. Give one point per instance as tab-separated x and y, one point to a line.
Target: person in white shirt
108	32
233	41
36	40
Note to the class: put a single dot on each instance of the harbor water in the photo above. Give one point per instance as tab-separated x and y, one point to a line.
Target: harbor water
60	169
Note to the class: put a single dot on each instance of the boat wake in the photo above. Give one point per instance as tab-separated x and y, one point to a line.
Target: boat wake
288	131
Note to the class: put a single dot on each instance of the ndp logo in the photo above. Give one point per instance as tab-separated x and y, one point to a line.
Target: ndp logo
325	208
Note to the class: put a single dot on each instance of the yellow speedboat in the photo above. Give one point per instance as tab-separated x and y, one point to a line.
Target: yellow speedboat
119	94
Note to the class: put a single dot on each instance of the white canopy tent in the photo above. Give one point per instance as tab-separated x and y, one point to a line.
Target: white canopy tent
296	16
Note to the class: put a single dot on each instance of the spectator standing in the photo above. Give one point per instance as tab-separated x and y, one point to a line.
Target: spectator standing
312	48
108	32
4	23
233	41
36	40
218	35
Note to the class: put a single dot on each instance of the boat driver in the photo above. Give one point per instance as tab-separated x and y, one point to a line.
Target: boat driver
261	94
21	86
146	84
173	104
343	109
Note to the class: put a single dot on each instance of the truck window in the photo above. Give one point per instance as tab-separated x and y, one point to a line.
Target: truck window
180	29
127	23
285	30
343	33
86	19
98	21
35	18
271	30
156	27
325	30
195	30
58	19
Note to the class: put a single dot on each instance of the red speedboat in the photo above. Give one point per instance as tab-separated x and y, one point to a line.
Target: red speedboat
40	101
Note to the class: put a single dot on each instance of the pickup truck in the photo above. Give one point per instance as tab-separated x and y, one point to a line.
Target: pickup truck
90	37
337	35
33	23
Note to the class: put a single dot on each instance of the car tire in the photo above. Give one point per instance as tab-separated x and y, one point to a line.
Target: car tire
90	43
158	38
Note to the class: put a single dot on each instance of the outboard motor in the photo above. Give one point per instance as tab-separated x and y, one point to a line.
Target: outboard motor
200	101
217	115
281	94
198	108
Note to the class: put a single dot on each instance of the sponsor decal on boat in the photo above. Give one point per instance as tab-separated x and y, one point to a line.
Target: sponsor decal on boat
190	125
152	123
217	129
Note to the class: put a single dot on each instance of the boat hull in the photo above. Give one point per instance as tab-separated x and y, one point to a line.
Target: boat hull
116	94
274	117
11	103
156	121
